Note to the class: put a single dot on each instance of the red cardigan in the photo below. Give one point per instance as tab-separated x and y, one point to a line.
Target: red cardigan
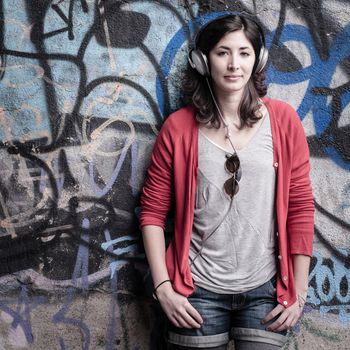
172	175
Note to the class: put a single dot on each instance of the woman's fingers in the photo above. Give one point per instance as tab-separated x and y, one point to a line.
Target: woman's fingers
186	320
287	319
286	325
194	313
180	312
174	321
188	316
182	322
272	314
278	323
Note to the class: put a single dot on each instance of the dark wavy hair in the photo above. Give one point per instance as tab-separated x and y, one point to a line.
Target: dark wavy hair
195	87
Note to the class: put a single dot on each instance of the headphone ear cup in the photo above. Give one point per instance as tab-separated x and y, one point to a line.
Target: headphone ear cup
263	57
199	62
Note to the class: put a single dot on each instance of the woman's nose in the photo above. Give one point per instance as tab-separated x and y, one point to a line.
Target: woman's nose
232	66
233	63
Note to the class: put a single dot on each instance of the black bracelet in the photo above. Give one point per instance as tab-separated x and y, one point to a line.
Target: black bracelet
155	289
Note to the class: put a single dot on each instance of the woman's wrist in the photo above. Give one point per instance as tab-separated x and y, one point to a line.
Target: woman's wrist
301	294
301	299
161	286
301	290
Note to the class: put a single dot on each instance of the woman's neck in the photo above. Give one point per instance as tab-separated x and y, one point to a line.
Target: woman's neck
229	105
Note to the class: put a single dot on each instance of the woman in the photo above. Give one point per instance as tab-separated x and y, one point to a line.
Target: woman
236	166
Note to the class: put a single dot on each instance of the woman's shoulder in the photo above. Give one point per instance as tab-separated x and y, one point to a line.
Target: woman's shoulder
280	107
283	112
180	121
287	120
184	114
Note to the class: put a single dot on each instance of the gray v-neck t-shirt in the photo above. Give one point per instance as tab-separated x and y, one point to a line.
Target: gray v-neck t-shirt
240	255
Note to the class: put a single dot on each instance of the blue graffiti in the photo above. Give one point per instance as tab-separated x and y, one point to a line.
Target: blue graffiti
112	324
331	290
81	269
59	176
109	246
22	314
97	191
115	265
319	73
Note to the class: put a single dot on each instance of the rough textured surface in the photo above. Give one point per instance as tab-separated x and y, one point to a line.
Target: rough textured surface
84	88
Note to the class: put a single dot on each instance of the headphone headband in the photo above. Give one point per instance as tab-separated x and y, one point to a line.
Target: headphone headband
200	31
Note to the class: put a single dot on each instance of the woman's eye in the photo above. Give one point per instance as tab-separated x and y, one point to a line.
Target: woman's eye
222	53
245	54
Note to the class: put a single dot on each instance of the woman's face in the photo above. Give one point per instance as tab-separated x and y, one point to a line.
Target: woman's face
231	63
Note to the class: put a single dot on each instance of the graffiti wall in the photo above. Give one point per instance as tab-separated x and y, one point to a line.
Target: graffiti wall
84	88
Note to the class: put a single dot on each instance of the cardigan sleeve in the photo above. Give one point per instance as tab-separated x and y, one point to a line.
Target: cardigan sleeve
300	219
157	192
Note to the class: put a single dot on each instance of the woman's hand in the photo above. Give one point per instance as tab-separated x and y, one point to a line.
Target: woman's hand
287	317
177	308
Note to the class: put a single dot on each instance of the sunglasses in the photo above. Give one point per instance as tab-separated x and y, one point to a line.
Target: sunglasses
232	165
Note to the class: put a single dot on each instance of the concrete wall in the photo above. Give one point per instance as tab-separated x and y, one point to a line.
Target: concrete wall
85	86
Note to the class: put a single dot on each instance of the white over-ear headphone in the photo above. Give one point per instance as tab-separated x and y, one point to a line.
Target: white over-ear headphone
199	61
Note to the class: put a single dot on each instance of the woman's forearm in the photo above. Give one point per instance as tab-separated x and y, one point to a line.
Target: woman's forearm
154	243
177	308
301	265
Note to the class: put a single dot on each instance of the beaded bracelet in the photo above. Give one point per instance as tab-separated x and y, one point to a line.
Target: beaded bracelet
155	289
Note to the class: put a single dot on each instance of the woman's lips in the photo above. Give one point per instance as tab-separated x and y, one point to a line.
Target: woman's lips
233	77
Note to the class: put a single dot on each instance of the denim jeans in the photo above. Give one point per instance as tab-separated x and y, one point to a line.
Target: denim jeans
230	316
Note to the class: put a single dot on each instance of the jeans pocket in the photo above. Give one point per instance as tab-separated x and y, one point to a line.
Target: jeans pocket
272	285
